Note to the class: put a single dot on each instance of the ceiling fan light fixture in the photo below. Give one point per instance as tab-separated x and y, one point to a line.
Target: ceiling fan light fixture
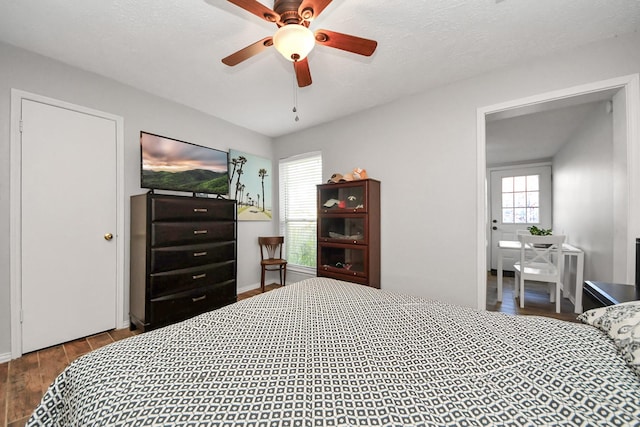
294	41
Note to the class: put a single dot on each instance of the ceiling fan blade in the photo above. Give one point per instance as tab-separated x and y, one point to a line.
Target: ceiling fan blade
310	9
303	74
258	9
346	42
248	52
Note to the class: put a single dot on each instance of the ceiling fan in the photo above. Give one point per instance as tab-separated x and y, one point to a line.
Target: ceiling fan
293	39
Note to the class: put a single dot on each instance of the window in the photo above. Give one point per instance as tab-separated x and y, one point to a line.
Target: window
299	176
521	199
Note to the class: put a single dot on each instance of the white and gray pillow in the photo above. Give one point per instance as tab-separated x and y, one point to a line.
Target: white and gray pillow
621	323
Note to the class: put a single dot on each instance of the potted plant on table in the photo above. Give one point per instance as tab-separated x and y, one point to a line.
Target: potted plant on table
535	231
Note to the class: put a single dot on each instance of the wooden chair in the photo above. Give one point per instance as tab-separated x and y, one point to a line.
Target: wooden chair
272	248
541	260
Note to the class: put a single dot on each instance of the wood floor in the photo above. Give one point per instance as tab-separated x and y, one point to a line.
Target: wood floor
536	300
23	381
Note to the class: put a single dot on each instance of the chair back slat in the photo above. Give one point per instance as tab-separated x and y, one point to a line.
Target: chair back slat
542	250
272	246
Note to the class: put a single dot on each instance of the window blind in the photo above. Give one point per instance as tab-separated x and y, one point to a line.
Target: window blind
299	176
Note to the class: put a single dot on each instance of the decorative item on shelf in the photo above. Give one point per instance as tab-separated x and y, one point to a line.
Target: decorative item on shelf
336	177
355	175
535	231
344	265
331	203
359	173
334	235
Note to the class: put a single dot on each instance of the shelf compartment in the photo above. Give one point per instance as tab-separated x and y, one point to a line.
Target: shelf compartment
341	229
347	260
342	197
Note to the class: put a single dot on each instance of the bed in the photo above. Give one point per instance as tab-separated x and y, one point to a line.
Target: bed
327	353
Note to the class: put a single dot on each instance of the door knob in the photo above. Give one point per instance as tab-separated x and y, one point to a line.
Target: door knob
494	221
108	236
494	228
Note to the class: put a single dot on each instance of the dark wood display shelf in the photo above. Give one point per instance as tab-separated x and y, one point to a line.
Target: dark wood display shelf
349	231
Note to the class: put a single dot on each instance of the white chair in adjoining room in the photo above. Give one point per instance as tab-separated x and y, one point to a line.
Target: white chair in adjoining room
541	260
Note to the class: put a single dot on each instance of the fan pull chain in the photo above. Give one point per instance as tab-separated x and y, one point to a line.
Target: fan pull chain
295	98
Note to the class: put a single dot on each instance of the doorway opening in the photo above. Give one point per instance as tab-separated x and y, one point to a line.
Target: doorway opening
629	86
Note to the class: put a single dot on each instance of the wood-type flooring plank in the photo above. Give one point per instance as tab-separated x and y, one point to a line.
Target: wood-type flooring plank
25	387
120	334
77	348
4	378
99	340
52	360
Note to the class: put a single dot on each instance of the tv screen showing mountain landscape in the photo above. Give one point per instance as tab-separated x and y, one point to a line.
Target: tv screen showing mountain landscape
170	164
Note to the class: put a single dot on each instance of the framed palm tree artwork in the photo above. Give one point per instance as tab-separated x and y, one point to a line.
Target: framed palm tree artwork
250	185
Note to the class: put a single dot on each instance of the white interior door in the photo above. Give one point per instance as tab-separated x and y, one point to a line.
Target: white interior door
520	198
68	209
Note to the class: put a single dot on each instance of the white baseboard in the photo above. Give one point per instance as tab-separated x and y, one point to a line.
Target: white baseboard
5	357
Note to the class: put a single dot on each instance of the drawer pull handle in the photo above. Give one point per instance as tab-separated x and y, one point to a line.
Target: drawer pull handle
196	299
199	276
200	231
204	210
199	253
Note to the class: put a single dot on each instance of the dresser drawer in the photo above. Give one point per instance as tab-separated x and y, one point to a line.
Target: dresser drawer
171	282
174	257
176	307
191	209
175	233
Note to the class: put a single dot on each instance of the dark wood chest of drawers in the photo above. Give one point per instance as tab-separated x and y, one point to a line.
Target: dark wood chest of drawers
183	257
602	294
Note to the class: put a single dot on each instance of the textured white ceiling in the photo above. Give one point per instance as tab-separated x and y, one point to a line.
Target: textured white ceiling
173	48
536	136
538	131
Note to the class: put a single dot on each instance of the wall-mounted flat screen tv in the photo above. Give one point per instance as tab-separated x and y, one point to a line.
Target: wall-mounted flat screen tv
170	164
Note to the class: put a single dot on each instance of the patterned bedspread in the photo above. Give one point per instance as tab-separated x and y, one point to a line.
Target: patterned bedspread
327	353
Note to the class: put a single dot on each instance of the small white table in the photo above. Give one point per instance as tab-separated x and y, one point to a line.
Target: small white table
567	250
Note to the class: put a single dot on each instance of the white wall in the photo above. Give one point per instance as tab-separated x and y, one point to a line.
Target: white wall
141	111
620	188
423	149
583	193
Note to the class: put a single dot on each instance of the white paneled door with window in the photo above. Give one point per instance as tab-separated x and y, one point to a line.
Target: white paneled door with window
520	198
